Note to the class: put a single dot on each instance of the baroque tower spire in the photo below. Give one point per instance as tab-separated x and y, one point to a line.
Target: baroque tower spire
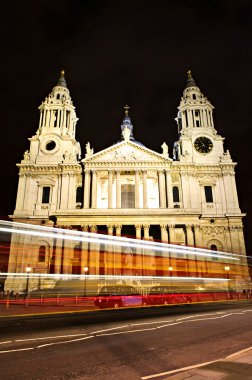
195	110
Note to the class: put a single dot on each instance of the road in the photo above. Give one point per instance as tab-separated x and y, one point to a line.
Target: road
122	344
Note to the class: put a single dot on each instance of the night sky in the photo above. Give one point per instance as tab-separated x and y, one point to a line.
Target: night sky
126	52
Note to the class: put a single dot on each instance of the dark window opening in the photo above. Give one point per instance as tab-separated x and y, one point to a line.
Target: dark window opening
214	248
208	194
51	145
175	192
42	254
46	194
79	194
194	96
197	123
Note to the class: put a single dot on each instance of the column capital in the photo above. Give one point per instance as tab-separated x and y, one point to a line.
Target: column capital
118	226
110	228
84	228
93	228
146	226
138	226
163	226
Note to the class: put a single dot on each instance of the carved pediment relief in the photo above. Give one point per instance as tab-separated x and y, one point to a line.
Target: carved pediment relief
207	180
127	151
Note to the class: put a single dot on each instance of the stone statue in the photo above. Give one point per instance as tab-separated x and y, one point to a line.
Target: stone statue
165	149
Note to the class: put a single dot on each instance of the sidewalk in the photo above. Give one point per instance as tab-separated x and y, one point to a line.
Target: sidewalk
234	367
22	308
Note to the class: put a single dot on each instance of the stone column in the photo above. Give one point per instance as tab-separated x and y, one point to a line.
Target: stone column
109	262
118	228
165	260
146	228
200	266
118	253
198	236
58	254
189	235
71	194
94	190
228	239
84	250
137	188
164	233
235	239
110	189
169	189
145	195
86	201
137	268
118	189
161	185
171	229
138	231
94	254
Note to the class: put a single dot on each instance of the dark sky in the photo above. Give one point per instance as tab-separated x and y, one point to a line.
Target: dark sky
116	53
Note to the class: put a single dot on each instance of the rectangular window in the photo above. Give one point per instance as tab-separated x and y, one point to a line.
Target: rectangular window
209	194
128	196
79	194
46	194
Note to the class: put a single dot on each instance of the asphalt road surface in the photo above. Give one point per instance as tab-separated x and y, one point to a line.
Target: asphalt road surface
122	344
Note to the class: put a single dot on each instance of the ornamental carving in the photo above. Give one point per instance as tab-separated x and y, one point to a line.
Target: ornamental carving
209	230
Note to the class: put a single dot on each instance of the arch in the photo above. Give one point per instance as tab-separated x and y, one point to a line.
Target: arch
43	251
42	254
215	245
175	193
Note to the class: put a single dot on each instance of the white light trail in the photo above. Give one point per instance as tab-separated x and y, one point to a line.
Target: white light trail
56	233
110	277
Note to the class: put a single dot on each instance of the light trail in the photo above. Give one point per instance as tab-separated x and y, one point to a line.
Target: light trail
57	233
115	277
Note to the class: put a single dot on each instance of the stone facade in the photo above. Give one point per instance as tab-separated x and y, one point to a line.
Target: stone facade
189	197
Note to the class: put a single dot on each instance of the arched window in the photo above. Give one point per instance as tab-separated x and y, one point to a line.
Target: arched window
175	192
214	248
42	254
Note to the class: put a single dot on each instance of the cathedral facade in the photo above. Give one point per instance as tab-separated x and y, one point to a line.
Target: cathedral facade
188	197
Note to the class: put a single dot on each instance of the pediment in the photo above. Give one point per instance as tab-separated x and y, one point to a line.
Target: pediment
207	180
127	152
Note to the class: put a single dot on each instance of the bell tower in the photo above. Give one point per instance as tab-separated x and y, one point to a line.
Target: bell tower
55	137
52	164
198	138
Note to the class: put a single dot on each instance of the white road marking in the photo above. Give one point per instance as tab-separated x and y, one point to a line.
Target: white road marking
68	341
196	365
178	370
127	332
49	337
187	319
112	328
20	349
239	352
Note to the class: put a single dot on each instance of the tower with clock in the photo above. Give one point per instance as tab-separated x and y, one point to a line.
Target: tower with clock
198	139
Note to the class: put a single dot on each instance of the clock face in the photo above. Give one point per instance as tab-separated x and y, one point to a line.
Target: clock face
203	145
